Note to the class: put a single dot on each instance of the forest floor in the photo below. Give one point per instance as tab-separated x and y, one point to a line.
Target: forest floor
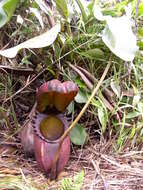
104	168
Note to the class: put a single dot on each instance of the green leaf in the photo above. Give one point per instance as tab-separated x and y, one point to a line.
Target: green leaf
116	35
81	6
78	135
140	108
7	8
116	88
37	14
132	133
43	7
137	96
122	135
74	183
140	8
62	8
96	103
97	12
3	17
80	83
140	11
102	115
78	180
136	99
93	53
70	108
81	97
140	44
102	111
132	114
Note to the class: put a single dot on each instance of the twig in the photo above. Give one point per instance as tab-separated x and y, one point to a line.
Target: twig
132	153
79	116
97	169
18	71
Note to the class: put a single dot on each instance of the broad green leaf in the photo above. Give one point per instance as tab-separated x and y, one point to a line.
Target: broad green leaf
7	8
78	135
62	8
81	97
118	35
40	41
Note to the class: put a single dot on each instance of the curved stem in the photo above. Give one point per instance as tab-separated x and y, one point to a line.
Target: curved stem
84	16
80	114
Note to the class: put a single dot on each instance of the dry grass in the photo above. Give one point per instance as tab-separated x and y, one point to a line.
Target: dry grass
103	170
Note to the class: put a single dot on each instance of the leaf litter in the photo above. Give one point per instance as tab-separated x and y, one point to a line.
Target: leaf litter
104	168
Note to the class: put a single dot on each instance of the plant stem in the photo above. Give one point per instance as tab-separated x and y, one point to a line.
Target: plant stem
68	28
80	114
84	16
136	15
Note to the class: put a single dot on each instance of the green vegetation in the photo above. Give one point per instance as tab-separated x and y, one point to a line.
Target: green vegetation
73	40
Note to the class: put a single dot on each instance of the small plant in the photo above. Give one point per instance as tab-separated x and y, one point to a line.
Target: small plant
74	183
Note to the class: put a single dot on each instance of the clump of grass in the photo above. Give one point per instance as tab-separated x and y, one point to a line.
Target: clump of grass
16	183
74	183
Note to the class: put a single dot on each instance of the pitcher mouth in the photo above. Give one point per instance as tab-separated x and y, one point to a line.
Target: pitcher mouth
51	127
40	120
